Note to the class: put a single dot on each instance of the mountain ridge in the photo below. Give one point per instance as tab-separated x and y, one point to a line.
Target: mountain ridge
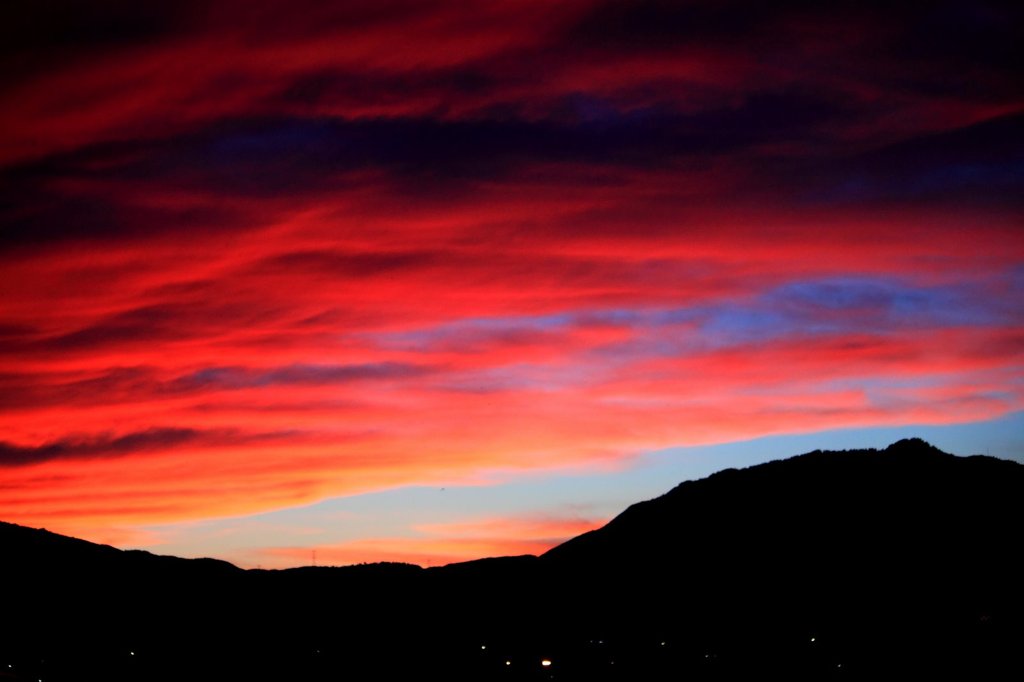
896	560
914	447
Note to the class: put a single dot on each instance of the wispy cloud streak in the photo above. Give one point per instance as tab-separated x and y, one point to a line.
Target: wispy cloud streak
253	257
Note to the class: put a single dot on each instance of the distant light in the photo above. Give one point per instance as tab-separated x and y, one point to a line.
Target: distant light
508	662
545	663
483	646
663	644
812	639
131	653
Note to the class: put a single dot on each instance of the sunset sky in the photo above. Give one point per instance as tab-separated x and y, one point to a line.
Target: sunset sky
431	281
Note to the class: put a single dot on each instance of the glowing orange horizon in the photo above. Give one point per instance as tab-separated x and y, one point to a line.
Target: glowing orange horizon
255	258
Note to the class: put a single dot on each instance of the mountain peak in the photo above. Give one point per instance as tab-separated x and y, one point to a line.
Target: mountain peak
915	446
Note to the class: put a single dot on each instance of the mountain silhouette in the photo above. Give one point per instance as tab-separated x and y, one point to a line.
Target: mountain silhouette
856	564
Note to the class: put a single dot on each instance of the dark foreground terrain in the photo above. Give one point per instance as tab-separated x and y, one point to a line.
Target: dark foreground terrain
858	564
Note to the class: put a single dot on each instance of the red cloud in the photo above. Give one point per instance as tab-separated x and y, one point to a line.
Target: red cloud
423	241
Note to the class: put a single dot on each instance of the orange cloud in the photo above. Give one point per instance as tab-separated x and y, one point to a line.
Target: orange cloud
259	256
440	544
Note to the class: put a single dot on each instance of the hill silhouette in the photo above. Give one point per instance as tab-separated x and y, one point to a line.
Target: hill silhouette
856	564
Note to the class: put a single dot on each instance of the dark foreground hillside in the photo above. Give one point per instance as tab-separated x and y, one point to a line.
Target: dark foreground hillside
850	565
